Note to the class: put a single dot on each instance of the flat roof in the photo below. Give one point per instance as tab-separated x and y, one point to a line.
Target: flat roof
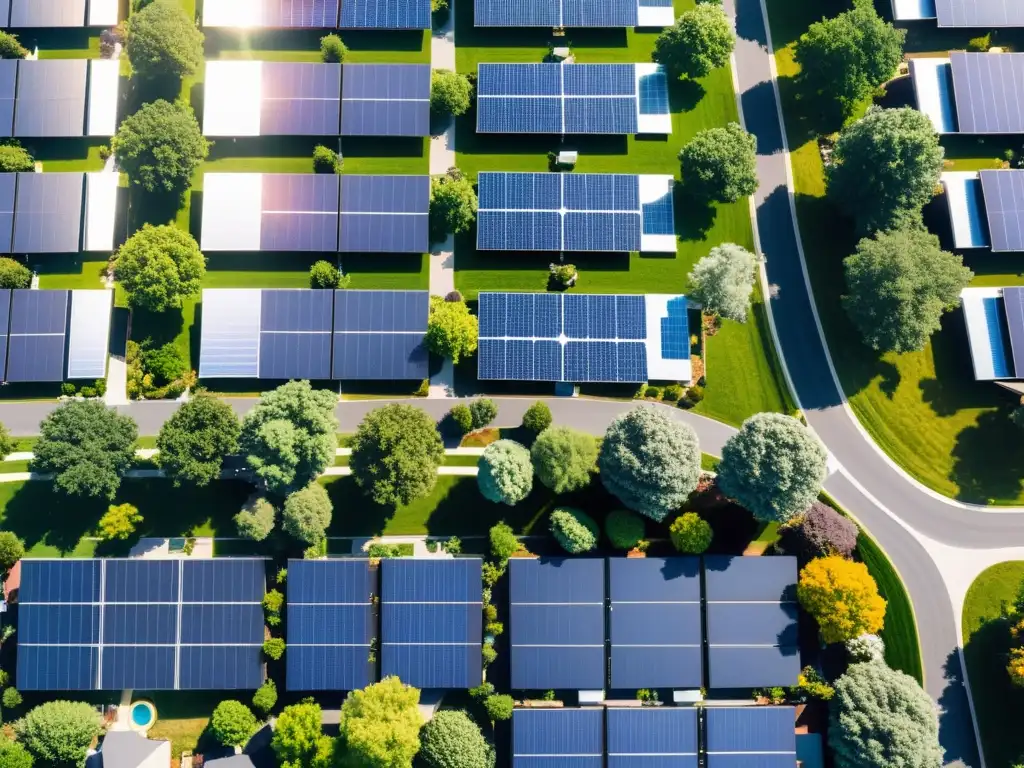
988	333
933	89
965	201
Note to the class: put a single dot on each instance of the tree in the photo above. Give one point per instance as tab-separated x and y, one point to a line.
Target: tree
273	648
723	281
162	40
118	522
483	412
12	549
380	725
701	40
11	699
842	60
192	443
58	733
720	164
461	417
774	466
504	542
690	533
265	698
233	723
499	707
256	519
167	363
574	530
898	286
650	462
865	647
880	716
332	49
817	532
325	275
452	740
841	595
452	205
395	454
298	739
451	93
307	514
13	754
160	147
326	160
505	473
451	329
11	47
15	158
623	528
159	266
564	458
885	167
13	274
87	446
290	437
537	417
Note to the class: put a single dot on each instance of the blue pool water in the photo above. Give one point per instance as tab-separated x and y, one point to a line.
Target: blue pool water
142	715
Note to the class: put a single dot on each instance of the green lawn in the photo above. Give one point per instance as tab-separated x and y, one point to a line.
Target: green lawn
923	408
986	635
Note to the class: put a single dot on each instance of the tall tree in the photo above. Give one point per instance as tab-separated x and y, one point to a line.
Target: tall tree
842	60
159	266
701	40
87	446
774	466
380	726
453	205
841	595
720	164
192	443
505	472
723	281
564	458
451	329
650	462
162	40
885	167
58	733
290	437
898	286
395	454
452	740
879	716
160	147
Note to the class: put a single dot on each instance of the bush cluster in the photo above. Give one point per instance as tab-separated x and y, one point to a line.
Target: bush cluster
574	530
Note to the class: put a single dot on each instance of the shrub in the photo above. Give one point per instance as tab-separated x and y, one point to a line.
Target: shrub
13	754
265	698
380	725
453	545
564	458
980	44
256	520
273	648
13	159
166	363
462	417
499	707
563	276
232	723
574	530
537	418
866	647
58	733
11	699
118	522
653	393
381	549
307	514
12	549
695	394
483	412
326	160
489	655
325	275
453	296
332	49
842	596
10	47
690	533
505	473
452	740
453	205
490	573
672	393
452	331
503	542
819	531
623	528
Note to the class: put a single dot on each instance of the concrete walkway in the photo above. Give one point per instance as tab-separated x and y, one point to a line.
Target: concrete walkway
148	453
419	545
442	56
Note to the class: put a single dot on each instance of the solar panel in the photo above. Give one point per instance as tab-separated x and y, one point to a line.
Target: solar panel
8	183
315	14
8	82
380	335
229	344
979	13
36	345
47	13
565	13
5	327
750	737
48	215
1013	303
220	668
299	212
652	737
295	334
385	14
5	13
385	214
573	738
557	624
300	99
51	98
1004	208
385	100
606	13
89	333
986	92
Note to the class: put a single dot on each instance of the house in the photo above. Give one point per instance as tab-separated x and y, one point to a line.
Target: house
130	749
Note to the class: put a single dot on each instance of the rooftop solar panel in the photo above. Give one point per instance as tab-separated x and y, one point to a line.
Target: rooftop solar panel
1013	302
56	668
220	668
385	214
230	333
652	737
380	335
760	579
569	737
47	13
140	624
51	98
48	215
979	13
8	81
5	13
141	581
750	737
135	666
36	346
986	92
385	14
299	212
316	14
522	13
5	319
71	624
295	334
385	100
223	580
1004	208
8	184
588	13
381	311
59	581
300	99
89	333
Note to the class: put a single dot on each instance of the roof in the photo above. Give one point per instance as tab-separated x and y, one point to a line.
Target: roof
318	14
965	200
130	749
986	314
651	737
546	737
979	13
933	90
563	13
750	737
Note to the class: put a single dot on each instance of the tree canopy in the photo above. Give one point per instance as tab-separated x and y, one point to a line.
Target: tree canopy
842	60
160	147
880	716
574	530
537	417
11	47
118	522
451	329
159	266
15	158
233	723
690	533
298	740
841	595
453	205
14	274
307	514
723	281
898	286
818	531
12	549
505	473
452	740
395	454
720	164
701	40
256	519
192	443
87	446
774	466
451	93
162	40
623	528
650	462
564	458
14	754
504	542
885	167
290	437
58	733
380	725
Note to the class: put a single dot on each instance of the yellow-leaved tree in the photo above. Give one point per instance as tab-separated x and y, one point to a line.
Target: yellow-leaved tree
842	596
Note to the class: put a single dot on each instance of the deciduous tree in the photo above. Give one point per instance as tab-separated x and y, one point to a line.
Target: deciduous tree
451	329
723	281
452	740
265	698
12	549
299	740
504	542
453	205
720	164
380	725
58	733
564	458
701	40
159	266
842	597
817	532
451	93
162	40
160	147
505	473
232	723
118	522
195	440
307	514
256	519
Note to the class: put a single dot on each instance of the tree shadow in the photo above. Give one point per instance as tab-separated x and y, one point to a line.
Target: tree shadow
39	514
988	457
695	216
684	95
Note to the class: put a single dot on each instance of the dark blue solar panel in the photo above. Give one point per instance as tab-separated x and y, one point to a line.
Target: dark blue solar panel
451	581
566	737
8	183
300	117
608	13
601	232
385	311
403	199
58	624
49	213
386	81
300	192
491	359
520	360
376	233
309	232
141	581
51	98
564	624
590	361
296	310
328	668
380	356
652	737
59	581
143	666
300	80
558	667
659	216
350	624
519	79
631	359
140	624
675	331
493	311
521	115
600	80
759	579
385	118
657	579
316	14
8	78
385	14
50	668
604	115
295	355
630	317
752	623
750	729
225	580
602	192
521	13
204	624
557	580
220	667
330	581
433	622
39	311
433	666
654	93
35	358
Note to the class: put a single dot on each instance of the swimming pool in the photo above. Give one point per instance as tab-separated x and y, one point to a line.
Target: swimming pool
143	715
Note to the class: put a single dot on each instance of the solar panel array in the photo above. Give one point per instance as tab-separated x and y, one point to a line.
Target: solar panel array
986	88
1004	208
1013	308
554	337
750	737
558	98
43	13
111	624
663	737
38	335
48	213
979	13
56	98
322	14
385	214
752	621
331	624
299	99
299	212
314	334
656	635
563	13
432	622
564	737
385	100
